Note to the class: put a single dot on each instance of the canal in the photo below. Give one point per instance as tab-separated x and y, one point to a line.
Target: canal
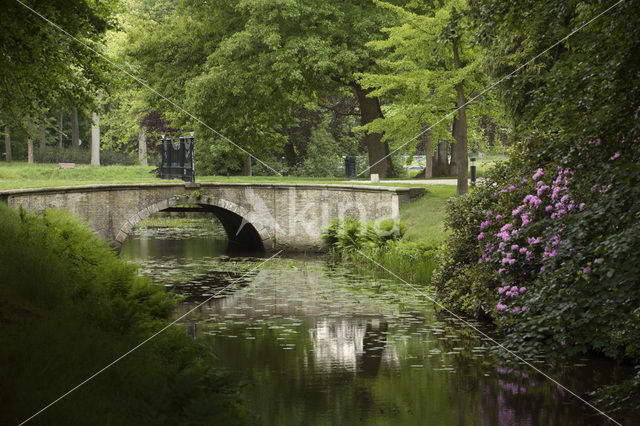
314	344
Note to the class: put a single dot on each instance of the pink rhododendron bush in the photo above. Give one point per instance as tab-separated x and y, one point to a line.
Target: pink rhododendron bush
552	255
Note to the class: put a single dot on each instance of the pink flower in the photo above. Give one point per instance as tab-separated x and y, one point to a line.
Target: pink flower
501	307
490	212
598	260
538	174
480	235
524	308
522	289
498	217
616	155
586	271
542	189
548	208
502	270
581	206
533	240
512	188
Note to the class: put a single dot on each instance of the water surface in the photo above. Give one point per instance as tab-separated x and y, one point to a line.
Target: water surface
318	345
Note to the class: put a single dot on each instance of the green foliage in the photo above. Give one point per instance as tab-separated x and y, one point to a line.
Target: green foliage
69	306
575	110
323	157
456	281
355	243
416	73
585	88
41	67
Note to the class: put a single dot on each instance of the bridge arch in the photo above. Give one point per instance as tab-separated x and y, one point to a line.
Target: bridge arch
243	228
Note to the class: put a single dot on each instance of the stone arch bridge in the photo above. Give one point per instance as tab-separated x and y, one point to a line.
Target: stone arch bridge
255	216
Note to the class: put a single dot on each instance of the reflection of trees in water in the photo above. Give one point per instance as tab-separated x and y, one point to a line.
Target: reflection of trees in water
374	343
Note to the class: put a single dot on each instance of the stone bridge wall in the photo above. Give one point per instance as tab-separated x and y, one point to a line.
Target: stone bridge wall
282	215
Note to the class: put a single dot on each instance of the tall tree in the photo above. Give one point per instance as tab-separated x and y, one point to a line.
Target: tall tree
7	144
43	137
425	66
95	139
39	65
75	128
30	142
460	123
60	132
246	66
142	147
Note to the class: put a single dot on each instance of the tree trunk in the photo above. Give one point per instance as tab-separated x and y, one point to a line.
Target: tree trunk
379	158
142	147
461	131
246	167
60	115
43	140
441	160
95	139
75	131
453	163
428	151
30	143
7	143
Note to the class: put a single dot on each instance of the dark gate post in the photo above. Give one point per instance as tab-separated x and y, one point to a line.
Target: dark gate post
350	167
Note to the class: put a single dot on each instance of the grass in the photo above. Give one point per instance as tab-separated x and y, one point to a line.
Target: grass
18	175
424	217
482	166
22	175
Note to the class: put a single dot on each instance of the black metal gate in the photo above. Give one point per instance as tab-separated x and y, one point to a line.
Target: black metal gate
177	159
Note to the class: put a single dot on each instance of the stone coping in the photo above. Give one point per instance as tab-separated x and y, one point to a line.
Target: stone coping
203	185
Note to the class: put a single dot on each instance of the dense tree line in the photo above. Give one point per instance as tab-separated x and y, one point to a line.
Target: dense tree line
299	83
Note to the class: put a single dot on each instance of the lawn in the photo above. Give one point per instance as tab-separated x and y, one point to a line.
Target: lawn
424	217
22	175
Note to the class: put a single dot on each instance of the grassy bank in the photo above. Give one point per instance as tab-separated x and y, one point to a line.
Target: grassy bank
407	249
68	307
18	175
424	217
22	175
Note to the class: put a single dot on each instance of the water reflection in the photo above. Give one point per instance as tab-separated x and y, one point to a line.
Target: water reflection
324	347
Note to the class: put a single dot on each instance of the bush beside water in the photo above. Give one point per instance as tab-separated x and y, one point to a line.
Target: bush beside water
68	307
549	255
350	240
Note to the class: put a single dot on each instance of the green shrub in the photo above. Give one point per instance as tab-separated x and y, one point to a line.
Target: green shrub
68	307
356	244
549	255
